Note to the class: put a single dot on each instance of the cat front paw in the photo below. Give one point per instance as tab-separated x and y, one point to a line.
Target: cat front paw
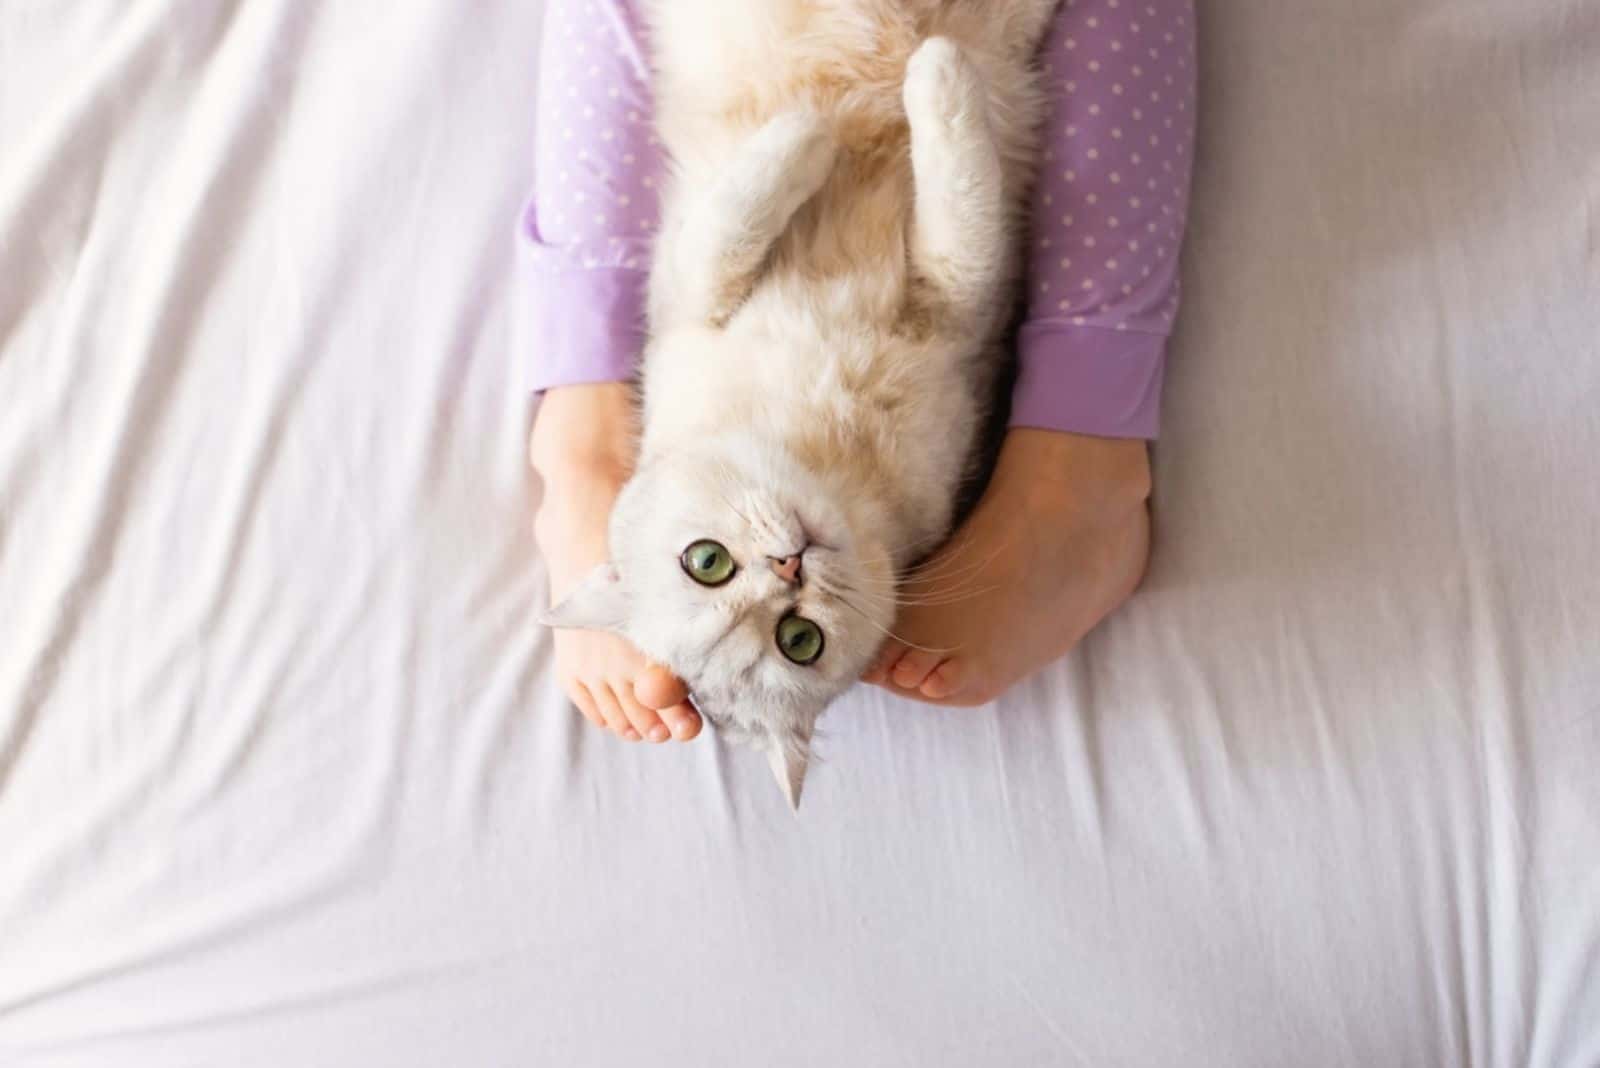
942	86
806	143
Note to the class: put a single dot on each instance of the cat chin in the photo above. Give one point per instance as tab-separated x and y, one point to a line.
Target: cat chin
783	736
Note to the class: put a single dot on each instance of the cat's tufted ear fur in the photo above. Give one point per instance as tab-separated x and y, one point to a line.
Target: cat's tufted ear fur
788	754
600	602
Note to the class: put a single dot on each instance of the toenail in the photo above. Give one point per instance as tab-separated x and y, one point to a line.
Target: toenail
659	733
631	735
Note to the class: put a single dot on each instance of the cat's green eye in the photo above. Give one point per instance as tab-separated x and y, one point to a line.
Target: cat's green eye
708	563
799	640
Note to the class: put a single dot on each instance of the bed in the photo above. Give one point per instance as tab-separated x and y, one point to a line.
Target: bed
284	775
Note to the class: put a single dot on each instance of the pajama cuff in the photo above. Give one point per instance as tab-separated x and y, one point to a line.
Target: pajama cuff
575	321
1088	380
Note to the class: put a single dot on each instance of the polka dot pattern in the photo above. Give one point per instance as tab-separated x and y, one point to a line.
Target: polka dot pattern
1113	184
598	164
1108	213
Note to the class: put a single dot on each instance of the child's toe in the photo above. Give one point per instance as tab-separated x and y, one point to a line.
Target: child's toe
682	720
585	703
658	688
913	668
611	709
945	681
884	663
641	719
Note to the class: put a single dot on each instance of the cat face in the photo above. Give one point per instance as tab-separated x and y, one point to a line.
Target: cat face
735	568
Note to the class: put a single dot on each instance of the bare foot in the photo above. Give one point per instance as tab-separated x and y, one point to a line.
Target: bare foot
1059	540
582	447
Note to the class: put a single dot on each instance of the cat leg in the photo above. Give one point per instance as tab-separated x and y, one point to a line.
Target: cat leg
729	229
1030	20
958	230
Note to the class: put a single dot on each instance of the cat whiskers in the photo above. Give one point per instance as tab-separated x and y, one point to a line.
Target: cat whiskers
835	591
923	542
938	582
763	528
944	598
953	594
726	474
950	568
946	566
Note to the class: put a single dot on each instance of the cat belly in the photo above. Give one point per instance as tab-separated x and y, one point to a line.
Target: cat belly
819	355
724	69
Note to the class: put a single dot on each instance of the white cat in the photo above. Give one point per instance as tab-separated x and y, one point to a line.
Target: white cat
838	257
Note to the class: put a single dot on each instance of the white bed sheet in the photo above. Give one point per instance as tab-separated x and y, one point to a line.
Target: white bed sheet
284	778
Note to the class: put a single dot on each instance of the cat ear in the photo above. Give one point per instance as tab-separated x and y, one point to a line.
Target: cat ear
598	603
788	753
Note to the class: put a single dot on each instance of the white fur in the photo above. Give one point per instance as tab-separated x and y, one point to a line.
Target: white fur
825	307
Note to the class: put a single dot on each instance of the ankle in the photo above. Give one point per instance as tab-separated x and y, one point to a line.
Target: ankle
584	433
1099	480
574	514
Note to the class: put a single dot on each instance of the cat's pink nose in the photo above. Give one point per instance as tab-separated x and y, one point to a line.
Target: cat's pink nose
786	568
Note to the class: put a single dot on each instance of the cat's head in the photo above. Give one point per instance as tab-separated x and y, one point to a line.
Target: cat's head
766	593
